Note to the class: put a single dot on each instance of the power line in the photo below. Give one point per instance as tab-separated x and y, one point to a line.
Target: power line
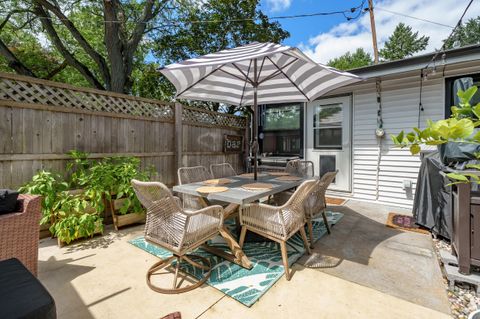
424	70
415	18
358	10
459	23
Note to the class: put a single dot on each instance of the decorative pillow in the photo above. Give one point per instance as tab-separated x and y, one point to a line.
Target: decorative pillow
8	201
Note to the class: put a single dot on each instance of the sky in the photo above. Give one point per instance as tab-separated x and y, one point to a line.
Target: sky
327	37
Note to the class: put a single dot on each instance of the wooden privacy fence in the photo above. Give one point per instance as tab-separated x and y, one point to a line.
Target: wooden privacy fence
40	121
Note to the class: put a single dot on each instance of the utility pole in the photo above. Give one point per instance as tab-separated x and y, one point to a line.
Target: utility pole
374	31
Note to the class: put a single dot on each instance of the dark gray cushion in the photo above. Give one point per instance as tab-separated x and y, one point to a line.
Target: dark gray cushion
8	201
22	295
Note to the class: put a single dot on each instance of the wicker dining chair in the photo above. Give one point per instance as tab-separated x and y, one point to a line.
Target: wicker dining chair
222	170
316	203
170	227
278	223
300	168
188	175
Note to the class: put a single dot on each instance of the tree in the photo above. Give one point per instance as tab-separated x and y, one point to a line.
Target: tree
124	25
350	60
403	43
105	44
465	34
239	23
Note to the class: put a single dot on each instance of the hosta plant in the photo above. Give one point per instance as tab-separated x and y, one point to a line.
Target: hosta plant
459	128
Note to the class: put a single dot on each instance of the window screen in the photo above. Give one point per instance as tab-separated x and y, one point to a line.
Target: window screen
327	126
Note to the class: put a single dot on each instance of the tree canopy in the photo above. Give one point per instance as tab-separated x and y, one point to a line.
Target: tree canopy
117	45
466	34
403	43
350	60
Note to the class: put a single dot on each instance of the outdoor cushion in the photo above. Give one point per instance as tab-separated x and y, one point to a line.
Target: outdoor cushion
22	295
8	201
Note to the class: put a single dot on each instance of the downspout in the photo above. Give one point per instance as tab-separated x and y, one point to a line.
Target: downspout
380	134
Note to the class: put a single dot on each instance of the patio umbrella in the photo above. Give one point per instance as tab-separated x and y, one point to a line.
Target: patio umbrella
257	73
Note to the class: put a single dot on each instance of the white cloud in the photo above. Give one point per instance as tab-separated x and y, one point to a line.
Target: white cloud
348	36
278	5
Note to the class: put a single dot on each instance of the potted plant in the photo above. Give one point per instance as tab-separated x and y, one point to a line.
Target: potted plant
74	218
79	170
67	216
110	179
48	185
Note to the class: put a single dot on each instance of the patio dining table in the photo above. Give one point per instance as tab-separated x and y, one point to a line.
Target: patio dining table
237	196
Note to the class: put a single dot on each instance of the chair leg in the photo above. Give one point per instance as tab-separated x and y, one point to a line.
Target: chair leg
163	263
283	247
305	241
310	231
242	236
177	268
325	220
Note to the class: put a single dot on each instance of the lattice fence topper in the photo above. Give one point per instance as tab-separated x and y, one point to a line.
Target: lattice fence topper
194	115
17	89
35	91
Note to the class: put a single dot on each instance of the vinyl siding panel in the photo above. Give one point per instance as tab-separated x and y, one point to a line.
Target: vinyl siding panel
400	110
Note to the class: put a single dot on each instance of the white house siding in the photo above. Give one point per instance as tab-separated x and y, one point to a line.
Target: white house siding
400	99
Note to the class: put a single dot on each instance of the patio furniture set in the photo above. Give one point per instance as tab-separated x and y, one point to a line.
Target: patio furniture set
209	198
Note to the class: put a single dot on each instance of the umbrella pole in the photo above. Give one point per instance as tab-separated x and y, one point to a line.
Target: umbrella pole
255	119
255	133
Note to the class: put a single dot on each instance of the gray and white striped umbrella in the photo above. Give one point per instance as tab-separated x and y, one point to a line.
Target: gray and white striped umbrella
257	73
280	74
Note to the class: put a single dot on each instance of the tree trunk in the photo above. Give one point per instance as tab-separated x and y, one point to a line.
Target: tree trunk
69	58
13	62
115	47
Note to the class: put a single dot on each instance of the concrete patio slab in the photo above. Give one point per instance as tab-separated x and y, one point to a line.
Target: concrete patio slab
382	273
401	264
313	294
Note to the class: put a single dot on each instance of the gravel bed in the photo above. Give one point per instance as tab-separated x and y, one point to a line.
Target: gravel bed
463	299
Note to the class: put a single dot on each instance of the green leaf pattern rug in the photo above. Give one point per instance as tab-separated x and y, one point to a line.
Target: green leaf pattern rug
247	286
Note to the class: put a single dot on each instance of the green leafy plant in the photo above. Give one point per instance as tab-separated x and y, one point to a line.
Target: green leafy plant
78	167
459	128
70	214
72	222
110	179
49	185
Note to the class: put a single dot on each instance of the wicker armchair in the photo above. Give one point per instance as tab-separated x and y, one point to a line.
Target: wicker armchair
300	168
222	170
188	175
171	228
19	233
316	203
278	223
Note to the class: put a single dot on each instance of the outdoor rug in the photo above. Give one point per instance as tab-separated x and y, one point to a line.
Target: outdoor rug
404	222
247	286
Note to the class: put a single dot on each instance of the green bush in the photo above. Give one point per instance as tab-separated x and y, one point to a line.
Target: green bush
50	186
108	178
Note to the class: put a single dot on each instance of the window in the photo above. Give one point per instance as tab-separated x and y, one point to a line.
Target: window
281	130
285	117
460	83
327	126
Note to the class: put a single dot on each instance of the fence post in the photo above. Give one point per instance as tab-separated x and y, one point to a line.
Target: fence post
178	138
